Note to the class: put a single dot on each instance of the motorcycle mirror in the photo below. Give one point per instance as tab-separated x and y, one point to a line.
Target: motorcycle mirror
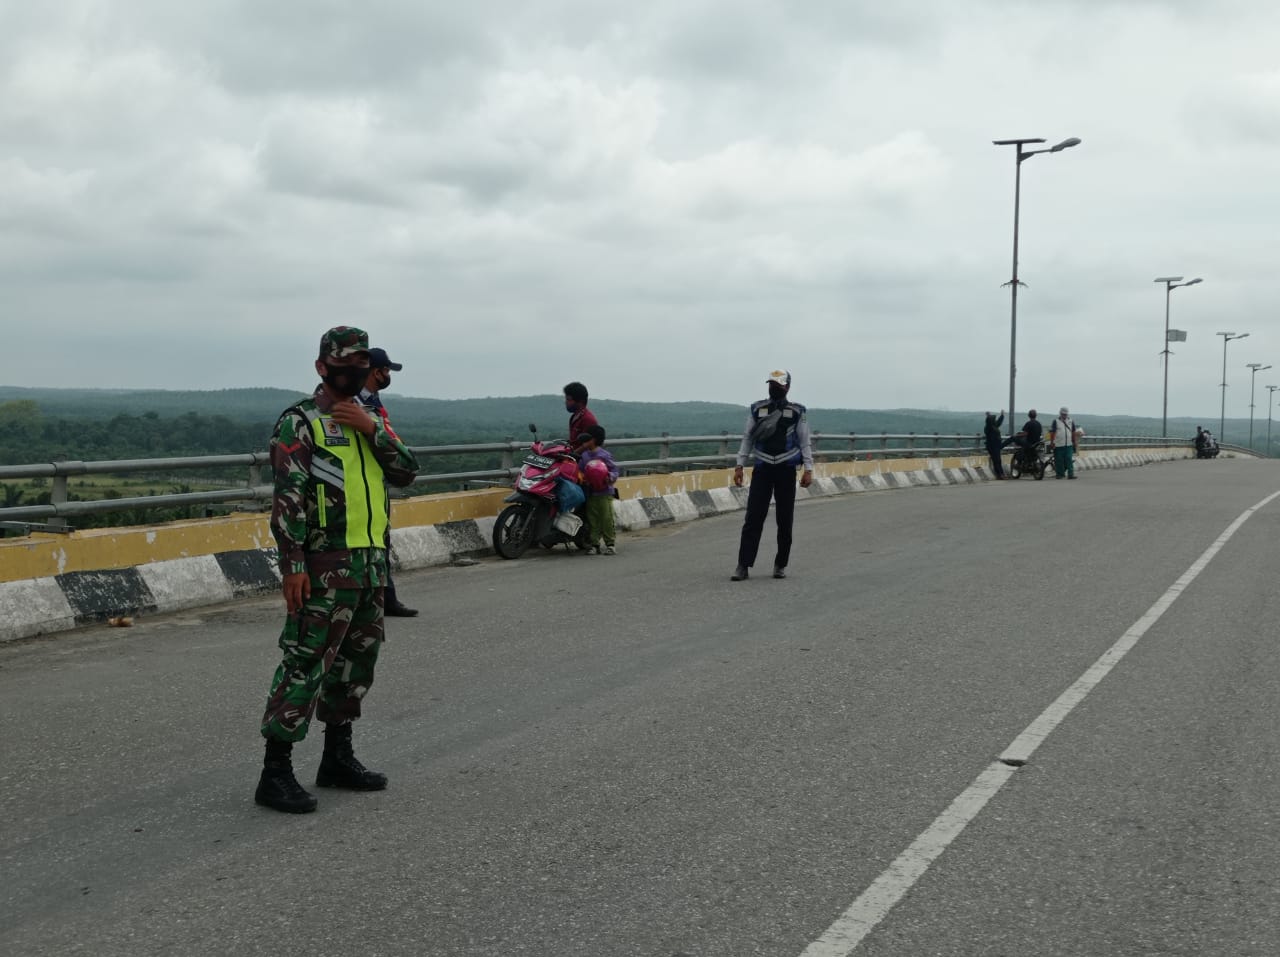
533	428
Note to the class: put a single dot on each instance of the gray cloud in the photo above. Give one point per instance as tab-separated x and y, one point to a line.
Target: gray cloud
661	201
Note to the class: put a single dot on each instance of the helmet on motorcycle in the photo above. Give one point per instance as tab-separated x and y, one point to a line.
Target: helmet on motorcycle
596	475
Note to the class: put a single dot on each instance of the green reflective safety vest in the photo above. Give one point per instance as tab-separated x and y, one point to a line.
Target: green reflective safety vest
344	461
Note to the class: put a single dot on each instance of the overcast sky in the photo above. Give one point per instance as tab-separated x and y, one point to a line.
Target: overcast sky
664	200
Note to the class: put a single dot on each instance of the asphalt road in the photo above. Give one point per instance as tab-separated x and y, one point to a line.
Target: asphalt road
632	755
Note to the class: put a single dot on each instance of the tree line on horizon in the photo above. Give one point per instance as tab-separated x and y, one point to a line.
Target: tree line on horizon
93	423
89	425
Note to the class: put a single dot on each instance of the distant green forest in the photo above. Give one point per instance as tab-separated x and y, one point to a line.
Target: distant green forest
43	425
52	425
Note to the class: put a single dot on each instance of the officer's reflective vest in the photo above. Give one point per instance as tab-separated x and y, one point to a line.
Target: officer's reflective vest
343	460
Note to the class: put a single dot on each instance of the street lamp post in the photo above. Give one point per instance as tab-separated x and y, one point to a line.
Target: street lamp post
1222	422
1271	394
1170	283
1256	367
1021	155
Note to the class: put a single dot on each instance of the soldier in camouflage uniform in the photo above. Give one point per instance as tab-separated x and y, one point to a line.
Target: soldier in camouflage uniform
332	462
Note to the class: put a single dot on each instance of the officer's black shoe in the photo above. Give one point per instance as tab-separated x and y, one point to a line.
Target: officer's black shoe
339	767
398	609
739	574
277	787
779	571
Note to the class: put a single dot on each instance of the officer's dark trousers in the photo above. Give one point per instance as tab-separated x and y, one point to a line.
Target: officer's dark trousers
777	482
391	598
993	452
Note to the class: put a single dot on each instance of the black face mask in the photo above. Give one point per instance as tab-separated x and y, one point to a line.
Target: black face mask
776	392
382	380
346	380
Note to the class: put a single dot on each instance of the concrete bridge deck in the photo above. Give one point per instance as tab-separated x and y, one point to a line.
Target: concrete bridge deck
632	755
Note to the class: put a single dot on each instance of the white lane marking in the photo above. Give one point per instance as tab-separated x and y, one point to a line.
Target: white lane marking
871	907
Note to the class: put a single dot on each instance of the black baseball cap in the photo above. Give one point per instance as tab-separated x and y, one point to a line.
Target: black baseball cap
378	359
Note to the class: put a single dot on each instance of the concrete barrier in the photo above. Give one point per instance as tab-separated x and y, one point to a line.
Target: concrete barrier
51	583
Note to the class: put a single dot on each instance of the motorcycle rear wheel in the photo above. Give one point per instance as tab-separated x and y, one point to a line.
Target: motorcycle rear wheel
1039	472
513	531
1015	468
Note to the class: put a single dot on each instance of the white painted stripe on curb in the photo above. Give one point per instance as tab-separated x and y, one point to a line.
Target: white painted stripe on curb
33	607
682	507
871	907
724	500
630	514
419	546
186	582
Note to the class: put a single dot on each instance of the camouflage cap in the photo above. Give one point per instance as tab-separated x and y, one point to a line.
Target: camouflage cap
342	341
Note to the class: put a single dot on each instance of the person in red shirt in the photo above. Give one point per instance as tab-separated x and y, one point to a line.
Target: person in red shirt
580	417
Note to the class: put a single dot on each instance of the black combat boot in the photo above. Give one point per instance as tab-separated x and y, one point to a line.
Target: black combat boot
339	767
278	788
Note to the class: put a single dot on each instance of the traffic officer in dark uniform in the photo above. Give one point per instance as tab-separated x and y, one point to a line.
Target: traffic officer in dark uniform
380	369
776	439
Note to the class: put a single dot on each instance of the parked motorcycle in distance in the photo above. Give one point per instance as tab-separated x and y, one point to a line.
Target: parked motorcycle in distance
1030	461
534	516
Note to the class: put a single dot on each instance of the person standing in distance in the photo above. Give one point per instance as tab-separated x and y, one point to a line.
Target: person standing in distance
580	417
600	473
776	437
1030	434
380	369
991	433
332	462
1062	436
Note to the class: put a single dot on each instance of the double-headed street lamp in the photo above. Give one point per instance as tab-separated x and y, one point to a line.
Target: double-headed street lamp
1013	283
1256	367
1271	394
1222	422
1170	283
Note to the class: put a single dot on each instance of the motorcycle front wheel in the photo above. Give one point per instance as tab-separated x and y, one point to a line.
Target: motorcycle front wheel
1015	468
512	530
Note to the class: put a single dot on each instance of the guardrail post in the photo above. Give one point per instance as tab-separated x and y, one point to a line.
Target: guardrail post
937	441
259	473
664	450
508	456
884	444
58	496
911	443
724	442
853	446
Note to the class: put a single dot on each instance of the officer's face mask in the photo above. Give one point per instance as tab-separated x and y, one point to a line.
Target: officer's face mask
346	380
382	379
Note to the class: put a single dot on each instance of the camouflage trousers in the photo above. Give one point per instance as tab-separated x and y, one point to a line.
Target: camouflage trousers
330	648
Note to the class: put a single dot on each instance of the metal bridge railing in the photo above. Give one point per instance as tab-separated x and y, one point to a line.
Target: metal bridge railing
826	447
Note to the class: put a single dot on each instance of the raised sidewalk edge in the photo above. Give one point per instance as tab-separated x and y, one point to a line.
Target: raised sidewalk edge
38	606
